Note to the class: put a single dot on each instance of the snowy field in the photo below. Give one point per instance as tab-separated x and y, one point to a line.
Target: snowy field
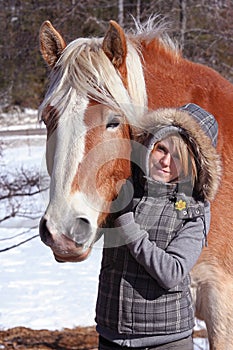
35	290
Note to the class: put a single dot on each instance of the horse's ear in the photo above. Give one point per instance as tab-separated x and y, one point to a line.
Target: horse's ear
114	44
51	43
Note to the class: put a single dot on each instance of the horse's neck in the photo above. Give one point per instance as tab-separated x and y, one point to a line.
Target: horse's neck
173	81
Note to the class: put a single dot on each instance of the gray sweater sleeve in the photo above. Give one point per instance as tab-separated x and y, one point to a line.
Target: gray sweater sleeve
168	267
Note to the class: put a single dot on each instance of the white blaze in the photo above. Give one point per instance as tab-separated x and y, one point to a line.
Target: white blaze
65	151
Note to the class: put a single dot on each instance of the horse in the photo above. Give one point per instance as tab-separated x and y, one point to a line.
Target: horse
99	91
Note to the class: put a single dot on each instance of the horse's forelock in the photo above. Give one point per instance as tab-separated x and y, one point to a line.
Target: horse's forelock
84	67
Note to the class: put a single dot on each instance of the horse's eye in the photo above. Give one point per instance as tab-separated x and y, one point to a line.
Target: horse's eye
49	113
44	118
113	123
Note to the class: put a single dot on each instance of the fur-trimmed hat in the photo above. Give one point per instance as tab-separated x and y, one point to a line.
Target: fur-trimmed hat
200	129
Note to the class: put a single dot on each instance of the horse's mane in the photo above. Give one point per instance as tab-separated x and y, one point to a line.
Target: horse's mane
84	69
155	28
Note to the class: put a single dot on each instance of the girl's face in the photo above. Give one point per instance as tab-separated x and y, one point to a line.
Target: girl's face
164	163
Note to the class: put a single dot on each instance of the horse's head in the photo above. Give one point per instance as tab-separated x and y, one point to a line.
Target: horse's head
86	110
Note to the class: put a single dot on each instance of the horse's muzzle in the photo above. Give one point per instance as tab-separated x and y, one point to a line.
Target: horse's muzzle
68	247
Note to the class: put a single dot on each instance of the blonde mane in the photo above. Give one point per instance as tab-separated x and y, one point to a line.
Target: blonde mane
84	68
155	28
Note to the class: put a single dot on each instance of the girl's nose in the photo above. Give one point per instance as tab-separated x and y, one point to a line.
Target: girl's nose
166	159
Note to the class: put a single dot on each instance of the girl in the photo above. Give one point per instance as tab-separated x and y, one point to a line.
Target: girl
144	299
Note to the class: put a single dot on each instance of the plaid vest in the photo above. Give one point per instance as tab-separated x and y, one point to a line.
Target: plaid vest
129	300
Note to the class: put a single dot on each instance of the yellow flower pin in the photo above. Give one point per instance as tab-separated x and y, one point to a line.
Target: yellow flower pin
180	205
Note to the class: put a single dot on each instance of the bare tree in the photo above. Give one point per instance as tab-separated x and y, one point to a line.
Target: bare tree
138	11
121	12
14	188
183	22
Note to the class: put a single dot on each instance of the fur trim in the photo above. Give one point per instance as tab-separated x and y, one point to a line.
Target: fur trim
208	160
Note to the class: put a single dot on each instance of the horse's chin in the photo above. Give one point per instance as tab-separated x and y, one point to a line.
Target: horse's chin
61	258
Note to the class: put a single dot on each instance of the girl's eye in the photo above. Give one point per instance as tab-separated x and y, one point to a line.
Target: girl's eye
113	123
162	149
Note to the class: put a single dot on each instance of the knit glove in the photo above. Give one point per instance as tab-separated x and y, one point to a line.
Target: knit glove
124	201
128	230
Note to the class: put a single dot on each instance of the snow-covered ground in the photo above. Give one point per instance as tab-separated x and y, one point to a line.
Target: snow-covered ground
35	290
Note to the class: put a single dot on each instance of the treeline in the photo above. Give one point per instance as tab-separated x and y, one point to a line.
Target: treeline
203	29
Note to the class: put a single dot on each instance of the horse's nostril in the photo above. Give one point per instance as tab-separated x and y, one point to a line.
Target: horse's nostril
81	230
44	232
84	221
